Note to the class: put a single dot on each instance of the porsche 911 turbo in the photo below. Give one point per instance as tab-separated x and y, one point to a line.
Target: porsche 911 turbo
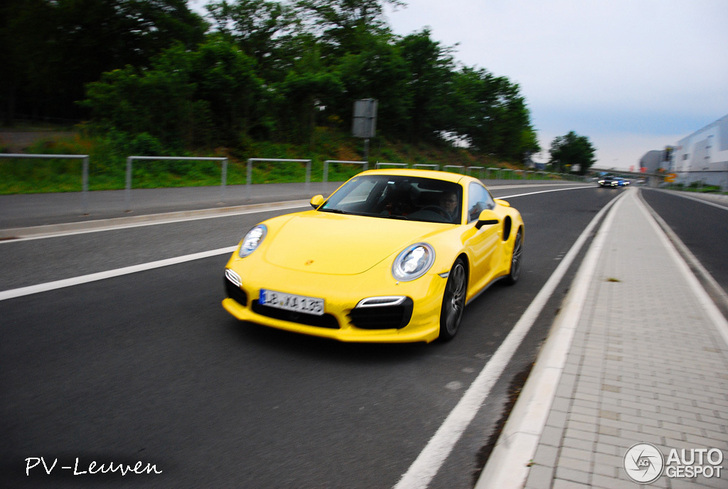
391	256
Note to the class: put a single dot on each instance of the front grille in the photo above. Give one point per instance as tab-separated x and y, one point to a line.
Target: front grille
382	317
235	293
324	321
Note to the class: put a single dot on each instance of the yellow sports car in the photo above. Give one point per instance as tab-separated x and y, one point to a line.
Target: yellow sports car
391	256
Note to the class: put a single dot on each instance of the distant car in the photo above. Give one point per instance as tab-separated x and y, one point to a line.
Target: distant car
622	182
391	256
608	181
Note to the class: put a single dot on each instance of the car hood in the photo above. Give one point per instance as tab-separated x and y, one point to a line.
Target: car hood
319	242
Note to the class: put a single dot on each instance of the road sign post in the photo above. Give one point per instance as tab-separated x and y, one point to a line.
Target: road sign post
365	122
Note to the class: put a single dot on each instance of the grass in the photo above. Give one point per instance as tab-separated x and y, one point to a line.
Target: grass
698	187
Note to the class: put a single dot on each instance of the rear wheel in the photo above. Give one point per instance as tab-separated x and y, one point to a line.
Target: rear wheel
516	259
453	301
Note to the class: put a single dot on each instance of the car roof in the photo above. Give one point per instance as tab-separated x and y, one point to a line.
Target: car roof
433	174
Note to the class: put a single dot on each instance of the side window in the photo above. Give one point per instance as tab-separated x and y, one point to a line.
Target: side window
479	199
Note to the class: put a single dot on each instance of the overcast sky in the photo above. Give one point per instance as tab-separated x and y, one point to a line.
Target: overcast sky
631	75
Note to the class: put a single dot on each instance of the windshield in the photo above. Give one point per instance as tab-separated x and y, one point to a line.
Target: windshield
398	197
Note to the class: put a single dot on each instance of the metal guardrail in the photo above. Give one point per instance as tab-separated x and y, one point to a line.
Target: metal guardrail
380	164
453	167
84	171
325	179
471	168
249	172
490	173
129	168
432	166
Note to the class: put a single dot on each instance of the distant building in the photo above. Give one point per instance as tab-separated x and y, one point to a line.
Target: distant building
654	160
703	156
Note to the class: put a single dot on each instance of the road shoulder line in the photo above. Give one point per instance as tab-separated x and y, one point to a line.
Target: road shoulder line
118	272
67	229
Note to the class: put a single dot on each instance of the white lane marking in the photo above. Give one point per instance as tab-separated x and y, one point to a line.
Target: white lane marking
93	277
544	192
429	461
696	199
57	230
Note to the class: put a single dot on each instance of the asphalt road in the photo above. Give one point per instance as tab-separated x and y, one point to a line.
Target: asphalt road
701	227
148	367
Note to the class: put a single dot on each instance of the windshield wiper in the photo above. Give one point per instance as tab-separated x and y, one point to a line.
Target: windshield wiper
334	211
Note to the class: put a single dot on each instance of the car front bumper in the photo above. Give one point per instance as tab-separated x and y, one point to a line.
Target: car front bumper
392	312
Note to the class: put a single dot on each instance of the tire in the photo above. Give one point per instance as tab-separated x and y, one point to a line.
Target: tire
453	301
516	259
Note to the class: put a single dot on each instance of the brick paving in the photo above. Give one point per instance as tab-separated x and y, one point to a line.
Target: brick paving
643	358
647	364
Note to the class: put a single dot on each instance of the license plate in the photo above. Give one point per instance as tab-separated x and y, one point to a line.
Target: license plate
291	302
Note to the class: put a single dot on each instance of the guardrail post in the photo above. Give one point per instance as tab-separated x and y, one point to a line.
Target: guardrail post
84	171
223	179
307	186
84	185
248	178
127	191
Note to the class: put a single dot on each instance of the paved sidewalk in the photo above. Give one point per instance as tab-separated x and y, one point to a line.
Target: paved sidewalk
637	355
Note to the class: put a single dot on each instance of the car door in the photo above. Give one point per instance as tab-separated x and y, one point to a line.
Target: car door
482	243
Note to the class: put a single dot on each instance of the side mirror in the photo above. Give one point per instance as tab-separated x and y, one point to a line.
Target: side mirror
487	218
316	201
502	202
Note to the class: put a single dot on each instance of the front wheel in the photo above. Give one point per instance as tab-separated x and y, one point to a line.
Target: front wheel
453	301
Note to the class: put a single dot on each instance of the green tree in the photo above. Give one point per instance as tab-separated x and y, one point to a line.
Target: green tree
269	70
132	102
307	89
22	54
260	28
571	150
490	114
57	46
380	72
344	25
227	81
429	78
209	96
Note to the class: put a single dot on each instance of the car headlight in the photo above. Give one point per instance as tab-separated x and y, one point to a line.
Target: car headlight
413	262
252	240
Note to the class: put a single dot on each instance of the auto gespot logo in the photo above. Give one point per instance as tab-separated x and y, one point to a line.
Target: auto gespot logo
644	463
